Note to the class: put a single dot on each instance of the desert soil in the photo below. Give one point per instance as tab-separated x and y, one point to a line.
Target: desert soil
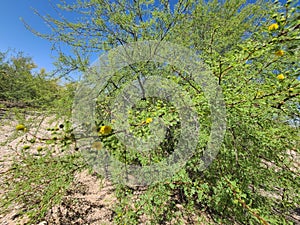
88	201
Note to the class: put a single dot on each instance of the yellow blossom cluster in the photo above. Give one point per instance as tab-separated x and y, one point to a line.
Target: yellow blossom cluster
20	127
148	120
279	53
105	130
280	77
273	26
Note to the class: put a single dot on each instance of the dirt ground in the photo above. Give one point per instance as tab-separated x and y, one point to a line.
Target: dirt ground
88	201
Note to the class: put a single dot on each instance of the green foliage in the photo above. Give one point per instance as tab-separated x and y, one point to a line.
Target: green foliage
40	176
39	182
23	86
254	179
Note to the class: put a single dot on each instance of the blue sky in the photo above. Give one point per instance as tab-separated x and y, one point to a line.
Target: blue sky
14	35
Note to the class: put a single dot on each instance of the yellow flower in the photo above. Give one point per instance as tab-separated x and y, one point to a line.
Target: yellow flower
291	89
20	127
260	93
279	53
39	148
273	26
97	145
148	120
280	77
105	130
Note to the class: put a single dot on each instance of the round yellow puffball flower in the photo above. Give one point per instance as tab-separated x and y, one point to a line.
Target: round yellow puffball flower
105	130
149	120
260	93
279	53
21	127
280	77
291	89
273	26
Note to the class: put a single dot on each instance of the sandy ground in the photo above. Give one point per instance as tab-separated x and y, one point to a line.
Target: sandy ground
88	201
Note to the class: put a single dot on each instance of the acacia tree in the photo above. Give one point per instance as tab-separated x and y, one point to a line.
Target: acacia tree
252	50
21	84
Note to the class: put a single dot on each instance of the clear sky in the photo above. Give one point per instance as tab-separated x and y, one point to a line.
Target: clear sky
14	35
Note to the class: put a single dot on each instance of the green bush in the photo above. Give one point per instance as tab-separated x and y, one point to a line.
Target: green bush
253	52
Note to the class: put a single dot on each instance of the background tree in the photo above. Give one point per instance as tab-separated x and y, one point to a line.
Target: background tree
23	85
